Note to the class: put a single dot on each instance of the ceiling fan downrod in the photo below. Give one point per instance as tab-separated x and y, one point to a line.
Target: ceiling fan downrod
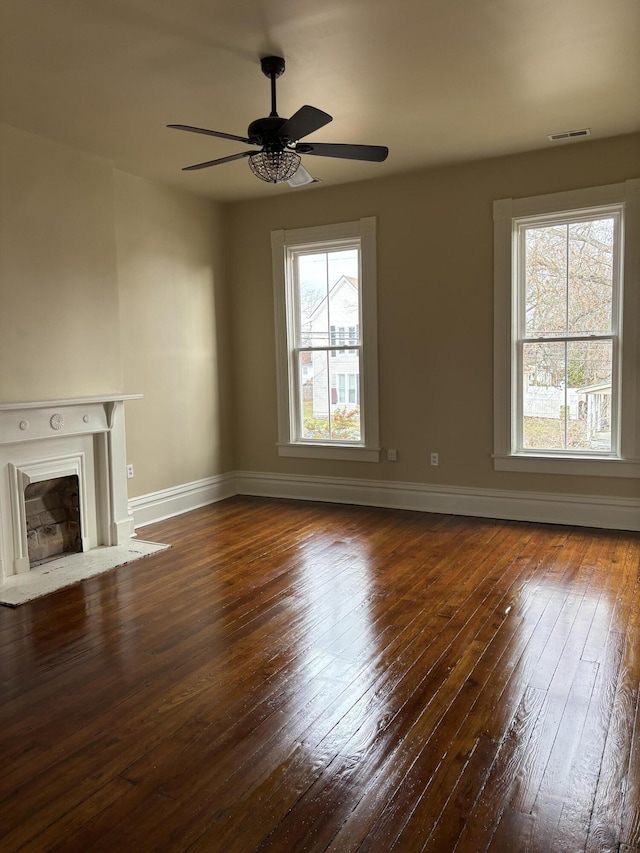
272	67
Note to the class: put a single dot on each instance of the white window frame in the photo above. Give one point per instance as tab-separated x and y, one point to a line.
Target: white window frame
322	237
508	214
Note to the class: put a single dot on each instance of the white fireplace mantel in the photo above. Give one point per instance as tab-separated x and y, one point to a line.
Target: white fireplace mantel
50	438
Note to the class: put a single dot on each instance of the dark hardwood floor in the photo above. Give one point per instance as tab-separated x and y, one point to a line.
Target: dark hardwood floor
309	677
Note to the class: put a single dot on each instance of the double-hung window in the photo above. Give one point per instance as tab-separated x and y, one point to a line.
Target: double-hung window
566	333
325	301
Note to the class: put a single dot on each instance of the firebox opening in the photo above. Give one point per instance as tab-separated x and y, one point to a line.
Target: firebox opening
53	518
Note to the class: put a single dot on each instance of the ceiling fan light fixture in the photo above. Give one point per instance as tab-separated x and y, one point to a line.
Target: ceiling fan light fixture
274	166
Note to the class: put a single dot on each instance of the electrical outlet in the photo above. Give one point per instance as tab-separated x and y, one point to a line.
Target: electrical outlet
129	472
435	459
392	455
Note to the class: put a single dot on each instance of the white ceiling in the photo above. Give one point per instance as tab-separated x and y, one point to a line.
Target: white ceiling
434	80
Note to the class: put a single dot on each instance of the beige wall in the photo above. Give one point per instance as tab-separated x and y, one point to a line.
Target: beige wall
435	306
174	325
109	284
58	287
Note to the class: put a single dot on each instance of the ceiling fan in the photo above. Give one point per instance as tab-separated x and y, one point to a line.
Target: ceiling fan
278	159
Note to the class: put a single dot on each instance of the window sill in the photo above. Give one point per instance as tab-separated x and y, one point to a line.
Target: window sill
340	452
564	465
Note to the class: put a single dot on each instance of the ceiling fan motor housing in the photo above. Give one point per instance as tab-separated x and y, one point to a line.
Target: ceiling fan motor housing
264	131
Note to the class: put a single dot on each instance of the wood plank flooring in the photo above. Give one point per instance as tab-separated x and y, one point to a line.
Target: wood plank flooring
309	677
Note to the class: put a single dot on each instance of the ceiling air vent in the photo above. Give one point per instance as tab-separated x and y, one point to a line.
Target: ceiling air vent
570	134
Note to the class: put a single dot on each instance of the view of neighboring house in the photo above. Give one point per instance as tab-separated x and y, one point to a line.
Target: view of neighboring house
594	406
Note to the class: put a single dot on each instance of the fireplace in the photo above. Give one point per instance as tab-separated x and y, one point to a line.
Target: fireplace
52	513
75	445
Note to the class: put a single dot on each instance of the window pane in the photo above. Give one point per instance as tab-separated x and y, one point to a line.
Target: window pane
344	362
328	295
569	278
567	395
329	406
546	281
543	396
313	376
345	422
343	262
589	377
345	410
344	294
313	314
590	289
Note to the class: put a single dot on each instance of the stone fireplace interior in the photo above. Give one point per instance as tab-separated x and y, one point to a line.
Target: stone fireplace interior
52	513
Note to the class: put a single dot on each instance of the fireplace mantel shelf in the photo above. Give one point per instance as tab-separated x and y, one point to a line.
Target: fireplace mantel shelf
34	420
74	401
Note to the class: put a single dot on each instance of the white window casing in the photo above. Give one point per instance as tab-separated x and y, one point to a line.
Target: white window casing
621	201
321	238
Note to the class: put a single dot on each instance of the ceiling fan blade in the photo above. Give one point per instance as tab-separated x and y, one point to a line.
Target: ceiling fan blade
374	153
301	178
304	122
211	133
217	162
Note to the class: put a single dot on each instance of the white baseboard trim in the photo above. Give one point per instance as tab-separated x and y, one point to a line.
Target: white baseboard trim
147	509
550	508
582	510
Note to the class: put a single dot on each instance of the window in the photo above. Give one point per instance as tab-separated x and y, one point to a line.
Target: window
566	332
348	387
325	299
